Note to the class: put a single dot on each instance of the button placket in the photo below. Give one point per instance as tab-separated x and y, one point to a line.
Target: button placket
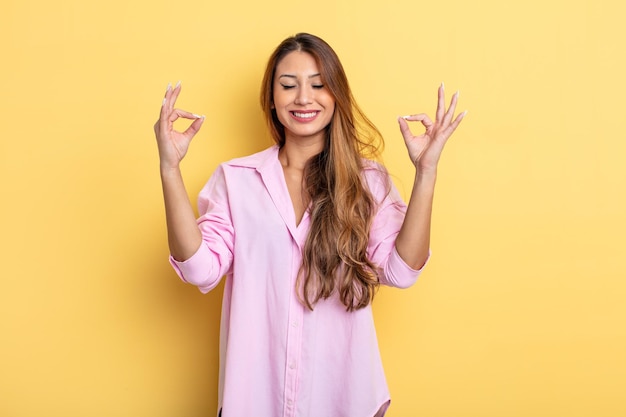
294	340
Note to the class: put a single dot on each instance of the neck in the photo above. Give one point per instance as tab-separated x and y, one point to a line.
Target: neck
296	153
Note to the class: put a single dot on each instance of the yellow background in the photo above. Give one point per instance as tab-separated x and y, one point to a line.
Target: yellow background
521	311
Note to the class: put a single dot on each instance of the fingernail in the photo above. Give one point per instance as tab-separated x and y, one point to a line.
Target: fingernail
164	101
197	116
169	86
464	113
457	93
442	85
177	84
203	117
405	117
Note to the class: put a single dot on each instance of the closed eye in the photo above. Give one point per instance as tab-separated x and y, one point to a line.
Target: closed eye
287	87
318	86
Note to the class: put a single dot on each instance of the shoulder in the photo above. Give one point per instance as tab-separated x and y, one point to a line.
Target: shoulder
380	183
254	161
371	167
376	177
233	171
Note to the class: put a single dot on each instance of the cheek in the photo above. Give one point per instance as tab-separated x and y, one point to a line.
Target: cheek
332	109
330	102
280	96
281	116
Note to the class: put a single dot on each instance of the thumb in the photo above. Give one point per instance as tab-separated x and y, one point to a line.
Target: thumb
194	127
404	128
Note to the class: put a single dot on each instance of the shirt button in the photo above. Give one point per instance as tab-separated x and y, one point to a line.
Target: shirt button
294	324
292	365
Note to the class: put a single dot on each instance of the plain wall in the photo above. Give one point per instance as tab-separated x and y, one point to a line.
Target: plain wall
521	311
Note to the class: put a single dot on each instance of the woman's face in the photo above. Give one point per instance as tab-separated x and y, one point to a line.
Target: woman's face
303	105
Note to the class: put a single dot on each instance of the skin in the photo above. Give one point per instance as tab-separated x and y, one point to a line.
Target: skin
299	88
413	241
304	139
184	236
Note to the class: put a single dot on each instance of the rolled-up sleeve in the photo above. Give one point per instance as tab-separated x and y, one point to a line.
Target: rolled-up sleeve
386	225
214	257
396	272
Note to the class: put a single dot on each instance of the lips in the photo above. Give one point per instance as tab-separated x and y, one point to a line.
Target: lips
304	116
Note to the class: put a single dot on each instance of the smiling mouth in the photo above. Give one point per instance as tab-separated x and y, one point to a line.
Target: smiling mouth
305	115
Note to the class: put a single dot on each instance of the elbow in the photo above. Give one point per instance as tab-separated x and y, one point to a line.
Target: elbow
404	281
397	273
205	282
204	269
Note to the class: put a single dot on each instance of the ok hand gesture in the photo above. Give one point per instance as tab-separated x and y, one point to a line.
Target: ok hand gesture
425	149
173	145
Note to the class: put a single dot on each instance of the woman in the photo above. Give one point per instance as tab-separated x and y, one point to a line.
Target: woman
304	233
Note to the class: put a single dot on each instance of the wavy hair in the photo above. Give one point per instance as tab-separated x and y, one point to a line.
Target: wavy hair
341	205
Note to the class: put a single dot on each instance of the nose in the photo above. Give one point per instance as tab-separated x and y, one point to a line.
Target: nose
304	96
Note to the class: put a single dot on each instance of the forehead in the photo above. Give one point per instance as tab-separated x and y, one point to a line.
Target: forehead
297	63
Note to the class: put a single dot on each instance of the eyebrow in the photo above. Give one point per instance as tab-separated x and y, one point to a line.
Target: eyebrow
293	76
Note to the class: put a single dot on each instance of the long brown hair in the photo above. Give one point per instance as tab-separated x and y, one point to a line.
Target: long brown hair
342	207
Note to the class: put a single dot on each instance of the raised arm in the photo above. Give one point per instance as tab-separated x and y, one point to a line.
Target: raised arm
184	237
413	241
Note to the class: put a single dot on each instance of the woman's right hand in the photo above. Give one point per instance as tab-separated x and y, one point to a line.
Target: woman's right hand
173	145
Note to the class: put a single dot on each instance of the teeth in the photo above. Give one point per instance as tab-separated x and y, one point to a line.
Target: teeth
305	115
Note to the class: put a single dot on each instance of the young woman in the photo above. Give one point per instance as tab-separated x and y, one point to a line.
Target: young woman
304	233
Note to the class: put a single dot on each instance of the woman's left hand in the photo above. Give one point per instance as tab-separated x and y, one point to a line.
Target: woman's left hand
425	149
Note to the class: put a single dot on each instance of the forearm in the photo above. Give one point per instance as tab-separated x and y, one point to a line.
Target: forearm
413	241
183	234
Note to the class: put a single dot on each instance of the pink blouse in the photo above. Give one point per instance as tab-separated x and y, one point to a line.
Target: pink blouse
277	358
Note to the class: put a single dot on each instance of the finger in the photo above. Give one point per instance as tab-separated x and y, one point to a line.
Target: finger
452	127
450	113
178	113
458	119
441	103
404	128
174	95
164	107
164	102
194	127
422	117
